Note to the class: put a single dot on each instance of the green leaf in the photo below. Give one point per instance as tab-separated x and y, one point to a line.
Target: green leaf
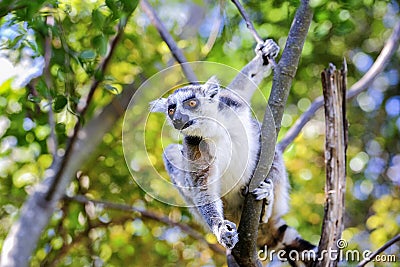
60	128
112	6
100	43
87	55
98	18
31	45
16	41
34	99
59	103
60	75
129	5
109	30
111	88
344	28
42	88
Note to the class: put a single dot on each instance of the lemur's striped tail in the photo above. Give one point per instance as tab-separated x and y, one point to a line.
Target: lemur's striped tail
284	243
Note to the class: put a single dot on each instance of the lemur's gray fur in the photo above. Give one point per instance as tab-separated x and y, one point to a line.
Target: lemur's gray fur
219	153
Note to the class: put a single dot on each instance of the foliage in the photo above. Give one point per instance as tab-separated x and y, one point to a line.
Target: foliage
80	33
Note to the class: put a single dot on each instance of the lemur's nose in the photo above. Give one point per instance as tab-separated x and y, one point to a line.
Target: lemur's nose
180	121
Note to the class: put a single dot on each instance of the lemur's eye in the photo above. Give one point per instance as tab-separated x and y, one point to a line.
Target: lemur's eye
192	103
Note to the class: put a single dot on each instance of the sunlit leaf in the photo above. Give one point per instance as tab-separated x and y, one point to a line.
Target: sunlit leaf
111	88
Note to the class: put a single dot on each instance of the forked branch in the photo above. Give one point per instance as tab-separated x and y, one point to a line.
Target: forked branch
245	251
379	65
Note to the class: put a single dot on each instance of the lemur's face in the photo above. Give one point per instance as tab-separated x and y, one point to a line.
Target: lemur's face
191	109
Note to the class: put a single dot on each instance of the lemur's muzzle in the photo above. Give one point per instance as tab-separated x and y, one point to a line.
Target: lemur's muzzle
181	121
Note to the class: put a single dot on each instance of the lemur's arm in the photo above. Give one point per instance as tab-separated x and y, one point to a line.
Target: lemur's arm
246	82
194	179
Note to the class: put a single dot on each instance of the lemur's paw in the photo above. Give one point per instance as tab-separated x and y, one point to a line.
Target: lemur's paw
264	190
227	234
268	49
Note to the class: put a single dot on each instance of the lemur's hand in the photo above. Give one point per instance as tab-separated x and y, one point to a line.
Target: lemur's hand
267	50
227	234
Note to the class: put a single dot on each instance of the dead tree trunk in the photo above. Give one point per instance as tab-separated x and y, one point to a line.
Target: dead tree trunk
334	90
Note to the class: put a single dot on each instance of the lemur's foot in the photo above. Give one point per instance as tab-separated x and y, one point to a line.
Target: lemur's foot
268	49
227	234
265	190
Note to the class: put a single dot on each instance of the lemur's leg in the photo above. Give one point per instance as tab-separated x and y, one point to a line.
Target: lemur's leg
274	190
193	182
246	82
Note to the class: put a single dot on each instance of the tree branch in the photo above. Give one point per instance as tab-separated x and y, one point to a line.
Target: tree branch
379	250
379	65
149	215
175	50
245	251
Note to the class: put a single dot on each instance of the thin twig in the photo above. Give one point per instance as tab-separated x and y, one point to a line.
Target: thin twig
166	36
98	78
249	23
52	142
379	65
252	30
379	251
150	215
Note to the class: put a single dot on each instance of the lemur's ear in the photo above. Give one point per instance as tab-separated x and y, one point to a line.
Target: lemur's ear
212	87
158	105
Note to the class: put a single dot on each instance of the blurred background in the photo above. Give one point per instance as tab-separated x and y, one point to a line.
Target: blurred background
78	34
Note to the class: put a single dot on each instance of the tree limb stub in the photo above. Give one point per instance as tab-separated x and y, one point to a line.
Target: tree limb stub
334	91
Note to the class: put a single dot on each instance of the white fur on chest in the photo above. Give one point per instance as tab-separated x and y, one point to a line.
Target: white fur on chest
236	152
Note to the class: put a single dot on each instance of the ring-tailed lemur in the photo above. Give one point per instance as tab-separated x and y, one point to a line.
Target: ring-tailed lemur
219	153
